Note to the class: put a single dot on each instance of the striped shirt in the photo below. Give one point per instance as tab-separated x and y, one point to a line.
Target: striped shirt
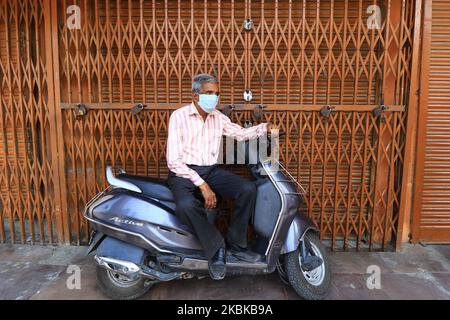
192	141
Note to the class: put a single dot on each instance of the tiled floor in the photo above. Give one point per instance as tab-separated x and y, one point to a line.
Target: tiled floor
417	272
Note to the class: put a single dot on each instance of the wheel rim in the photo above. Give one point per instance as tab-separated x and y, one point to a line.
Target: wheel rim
314	277
121	280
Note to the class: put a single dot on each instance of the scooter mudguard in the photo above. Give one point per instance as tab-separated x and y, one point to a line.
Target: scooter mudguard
117	249
299	226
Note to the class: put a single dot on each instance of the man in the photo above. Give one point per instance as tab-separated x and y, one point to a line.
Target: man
195	133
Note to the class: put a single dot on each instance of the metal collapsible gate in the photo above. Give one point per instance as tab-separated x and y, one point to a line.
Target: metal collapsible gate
297	57
29	182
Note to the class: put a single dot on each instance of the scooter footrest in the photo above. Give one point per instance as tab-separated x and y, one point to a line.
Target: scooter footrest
232	259
161	276
168	258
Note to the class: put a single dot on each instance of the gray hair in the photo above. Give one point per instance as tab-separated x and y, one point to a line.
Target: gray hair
200	79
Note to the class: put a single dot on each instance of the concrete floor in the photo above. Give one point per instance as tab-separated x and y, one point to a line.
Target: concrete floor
417	272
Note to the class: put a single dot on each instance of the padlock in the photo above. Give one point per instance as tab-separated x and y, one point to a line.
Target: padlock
248	96
248	24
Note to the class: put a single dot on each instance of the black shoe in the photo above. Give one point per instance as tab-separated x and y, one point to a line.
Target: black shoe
244	254
216	265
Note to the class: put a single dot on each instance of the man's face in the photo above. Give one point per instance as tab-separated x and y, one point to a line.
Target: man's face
207	88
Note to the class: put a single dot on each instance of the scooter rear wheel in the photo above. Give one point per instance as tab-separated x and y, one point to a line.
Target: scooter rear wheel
120	287
310	285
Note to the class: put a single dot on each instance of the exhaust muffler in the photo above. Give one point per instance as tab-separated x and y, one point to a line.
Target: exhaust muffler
131	270
122	267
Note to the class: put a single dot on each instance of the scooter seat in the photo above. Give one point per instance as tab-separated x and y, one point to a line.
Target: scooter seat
153	187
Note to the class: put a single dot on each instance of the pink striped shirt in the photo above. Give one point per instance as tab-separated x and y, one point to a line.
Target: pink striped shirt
192	141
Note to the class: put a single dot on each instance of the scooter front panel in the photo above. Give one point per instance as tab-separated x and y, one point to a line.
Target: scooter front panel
291	199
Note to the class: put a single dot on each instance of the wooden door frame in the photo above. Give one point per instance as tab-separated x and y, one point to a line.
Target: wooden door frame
405	223
55	119
422	115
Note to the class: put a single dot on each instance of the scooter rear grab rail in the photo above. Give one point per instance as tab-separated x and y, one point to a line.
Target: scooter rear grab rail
114	181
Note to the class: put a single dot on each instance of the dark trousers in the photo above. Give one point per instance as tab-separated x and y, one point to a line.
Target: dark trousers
191	211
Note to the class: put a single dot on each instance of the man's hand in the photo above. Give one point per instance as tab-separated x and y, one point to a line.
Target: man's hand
271	126
208	195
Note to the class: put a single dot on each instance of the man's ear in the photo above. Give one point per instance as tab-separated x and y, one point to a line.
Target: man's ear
194	97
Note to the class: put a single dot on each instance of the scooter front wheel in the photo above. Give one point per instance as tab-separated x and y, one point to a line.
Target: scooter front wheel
314	284
119	287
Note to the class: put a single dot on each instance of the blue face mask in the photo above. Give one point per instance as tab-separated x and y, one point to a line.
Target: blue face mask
208	102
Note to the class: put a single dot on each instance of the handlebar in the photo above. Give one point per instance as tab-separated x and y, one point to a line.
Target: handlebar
256	149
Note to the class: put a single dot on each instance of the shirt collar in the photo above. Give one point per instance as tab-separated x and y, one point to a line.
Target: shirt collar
192	109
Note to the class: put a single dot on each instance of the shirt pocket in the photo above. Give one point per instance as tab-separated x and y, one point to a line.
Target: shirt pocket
217	133
217	138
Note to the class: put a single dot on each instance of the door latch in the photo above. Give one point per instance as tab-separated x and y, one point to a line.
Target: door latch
258	111
80	110
326	111
226	110
138	107
378	111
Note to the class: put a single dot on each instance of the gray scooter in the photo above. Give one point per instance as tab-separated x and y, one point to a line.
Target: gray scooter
137	241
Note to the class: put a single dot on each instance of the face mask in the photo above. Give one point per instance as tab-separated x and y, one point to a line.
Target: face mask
208	102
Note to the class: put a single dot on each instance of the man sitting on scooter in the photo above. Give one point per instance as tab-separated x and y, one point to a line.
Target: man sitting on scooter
195	133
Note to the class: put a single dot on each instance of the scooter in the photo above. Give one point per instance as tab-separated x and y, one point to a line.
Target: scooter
137	241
